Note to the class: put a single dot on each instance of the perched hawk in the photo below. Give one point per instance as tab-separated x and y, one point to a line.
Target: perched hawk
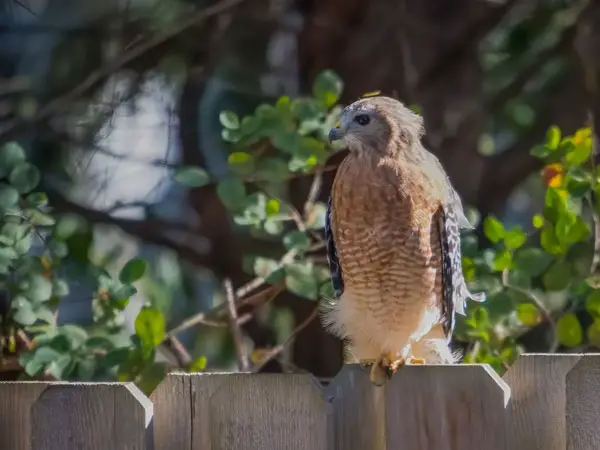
393	242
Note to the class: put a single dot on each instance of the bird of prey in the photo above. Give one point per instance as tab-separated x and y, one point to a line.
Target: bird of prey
393	243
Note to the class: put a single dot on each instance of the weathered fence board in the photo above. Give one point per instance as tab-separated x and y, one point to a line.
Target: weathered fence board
538	401
446	408
242	411
544	402
358	410
108	416
583	404
16	400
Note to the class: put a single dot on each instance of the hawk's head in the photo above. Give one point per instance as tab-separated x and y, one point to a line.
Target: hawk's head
374	122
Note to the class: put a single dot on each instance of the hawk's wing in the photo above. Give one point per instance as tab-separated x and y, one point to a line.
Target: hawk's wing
332	256
455	291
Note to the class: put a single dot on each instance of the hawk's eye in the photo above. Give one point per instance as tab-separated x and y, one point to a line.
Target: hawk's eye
362	119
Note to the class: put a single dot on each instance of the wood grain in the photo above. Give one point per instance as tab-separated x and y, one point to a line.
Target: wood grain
268	412
90	416
583	404
446	407
538	401
359	419
16	399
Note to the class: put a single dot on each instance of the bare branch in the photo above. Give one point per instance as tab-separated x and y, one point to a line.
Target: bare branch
276	351
236	331
59	104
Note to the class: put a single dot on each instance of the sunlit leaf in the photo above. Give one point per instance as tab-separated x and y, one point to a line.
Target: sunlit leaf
150	327
568	330
493	229
229	120
528	314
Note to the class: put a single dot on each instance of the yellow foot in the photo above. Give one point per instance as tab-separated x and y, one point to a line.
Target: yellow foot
366	363
413	360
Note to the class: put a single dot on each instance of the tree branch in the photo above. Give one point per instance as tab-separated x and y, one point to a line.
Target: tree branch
15	126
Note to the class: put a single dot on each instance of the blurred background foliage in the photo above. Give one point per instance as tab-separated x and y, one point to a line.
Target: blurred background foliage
164	171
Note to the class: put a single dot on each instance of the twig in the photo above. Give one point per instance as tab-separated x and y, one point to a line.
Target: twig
62	102
275	351
256	282
236	331
178	350
207	318
539	305
313	193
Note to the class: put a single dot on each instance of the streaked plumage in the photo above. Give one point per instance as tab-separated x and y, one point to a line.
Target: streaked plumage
393	241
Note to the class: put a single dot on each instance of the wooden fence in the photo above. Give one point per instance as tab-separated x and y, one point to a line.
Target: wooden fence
545	402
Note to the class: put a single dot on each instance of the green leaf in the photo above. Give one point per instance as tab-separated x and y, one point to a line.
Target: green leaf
301	280
232	193
99	342
25	177
9	197
198	365
25	315
76	334
11	155
272	207
528	314
593	333
539	151
568	330
116	357
502	261
296	240
592	303
532	261
132	271
327	87
60	288
38	288
193	177
150	327
579	154
493	229
86	369
515	238
46	355
151	376
241	163
69	224
549	241
538	221
558	276
37	199
59	367
229	120
37	217
553	137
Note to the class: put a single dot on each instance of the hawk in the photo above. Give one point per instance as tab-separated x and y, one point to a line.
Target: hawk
393	243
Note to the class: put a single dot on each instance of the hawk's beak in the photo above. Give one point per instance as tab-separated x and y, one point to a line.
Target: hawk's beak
335	134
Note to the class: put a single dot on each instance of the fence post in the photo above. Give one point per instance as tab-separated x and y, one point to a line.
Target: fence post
99	416
359	419
446	407
536	412
583	404
242	412
16	399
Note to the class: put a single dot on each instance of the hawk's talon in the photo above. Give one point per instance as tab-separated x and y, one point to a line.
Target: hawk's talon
413	360
378	374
